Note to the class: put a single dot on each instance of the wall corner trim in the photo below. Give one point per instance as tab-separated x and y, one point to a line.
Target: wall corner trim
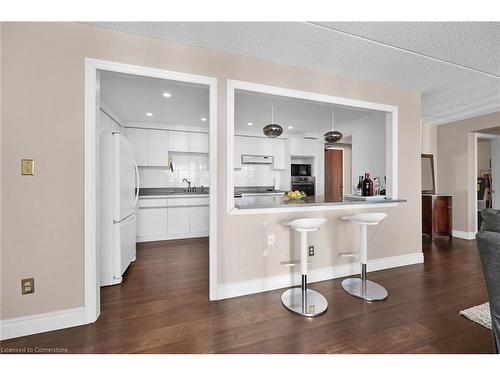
32	324
463	235
241	288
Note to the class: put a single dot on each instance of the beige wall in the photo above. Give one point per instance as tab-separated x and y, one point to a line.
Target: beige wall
456	165
43	116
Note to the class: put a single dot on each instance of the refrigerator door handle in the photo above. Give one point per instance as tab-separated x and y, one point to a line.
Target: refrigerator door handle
138	183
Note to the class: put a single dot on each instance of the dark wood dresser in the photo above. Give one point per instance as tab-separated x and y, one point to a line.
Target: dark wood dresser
436	215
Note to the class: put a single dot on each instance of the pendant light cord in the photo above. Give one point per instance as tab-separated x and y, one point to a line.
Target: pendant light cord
272	114
332	121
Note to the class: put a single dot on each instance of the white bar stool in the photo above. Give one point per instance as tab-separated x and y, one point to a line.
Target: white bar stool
301	300
362	287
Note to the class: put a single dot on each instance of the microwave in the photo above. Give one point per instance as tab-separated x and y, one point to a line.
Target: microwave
301	169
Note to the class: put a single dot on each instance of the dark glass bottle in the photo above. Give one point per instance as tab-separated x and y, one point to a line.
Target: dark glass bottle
367	189
359	188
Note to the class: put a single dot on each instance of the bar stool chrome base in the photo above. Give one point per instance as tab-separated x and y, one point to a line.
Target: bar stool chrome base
367	290
313	303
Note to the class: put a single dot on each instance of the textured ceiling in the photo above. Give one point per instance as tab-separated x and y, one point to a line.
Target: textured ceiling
456	66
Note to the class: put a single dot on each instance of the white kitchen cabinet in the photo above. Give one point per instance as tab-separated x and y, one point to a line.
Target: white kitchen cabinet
172	217
199	219
304	147
279	153
310	147
198	142
259	146
139	139
237	152
152	222
178	221
178	141
157	148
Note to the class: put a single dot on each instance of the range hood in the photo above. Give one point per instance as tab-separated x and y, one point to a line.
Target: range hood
256	159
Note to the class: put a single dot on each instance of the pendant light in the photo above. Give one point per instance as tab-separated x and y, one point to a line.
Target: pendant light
272	130
332	136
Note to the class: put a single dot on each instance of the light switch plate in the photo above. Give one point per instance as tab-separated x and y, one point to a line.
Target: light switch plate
27	167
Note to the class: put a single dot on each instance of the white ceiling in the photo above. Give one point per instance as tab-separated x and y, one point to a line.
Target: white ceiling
129	97
456	66
304	115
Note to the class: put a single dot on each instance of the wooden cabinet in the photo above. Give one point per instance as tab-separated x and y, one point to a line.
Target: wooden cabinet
437	215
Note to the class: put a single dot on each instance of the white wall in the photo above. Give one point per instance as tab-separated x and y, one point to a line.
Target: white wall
193	167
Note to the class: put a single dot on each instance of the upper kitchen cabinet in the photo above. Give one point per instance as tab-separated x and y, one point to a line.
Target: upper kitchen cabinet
151	146
158	148
198	142
178	141
139	139
303	147
279	147
259	146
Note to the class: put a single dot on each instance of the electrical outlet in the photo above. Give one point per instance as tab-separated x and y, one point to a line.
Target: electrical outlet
311	251
28	286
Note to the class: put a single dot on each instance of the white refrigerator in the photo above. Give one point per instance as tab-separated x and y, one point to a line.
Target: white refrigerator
119	192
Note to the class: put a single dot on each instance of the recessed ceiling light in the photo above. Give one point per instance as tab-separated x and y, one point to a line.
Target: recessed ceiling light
203	119
250	123
149	114
167	94
290	127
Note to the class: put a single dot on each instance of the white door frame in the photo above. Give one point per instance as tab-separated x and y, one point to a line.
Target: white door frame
495	168
391	130
92	66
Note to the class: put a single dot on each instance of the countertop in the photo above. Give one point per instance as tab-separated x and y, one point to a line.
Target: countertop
168	192
310	201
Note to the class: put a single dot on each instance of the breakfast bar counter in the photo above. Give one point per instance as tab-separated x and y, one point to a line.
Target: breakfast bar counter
281	202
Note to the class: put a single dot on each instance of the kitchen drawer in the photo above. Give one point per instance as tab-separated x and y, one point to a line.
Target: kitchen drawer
199	201
152	202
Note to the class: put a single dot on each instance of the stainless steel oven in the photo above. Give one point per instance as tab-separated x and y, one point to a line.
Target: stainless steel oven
301	169
307	184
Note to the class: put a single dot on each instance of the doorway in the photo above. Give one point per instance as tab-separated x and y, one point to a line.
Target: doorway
93	109
487	176
334	173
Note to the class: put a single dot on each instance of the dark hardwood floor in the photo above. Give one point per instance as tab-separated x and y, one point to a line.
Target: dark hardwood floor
162	307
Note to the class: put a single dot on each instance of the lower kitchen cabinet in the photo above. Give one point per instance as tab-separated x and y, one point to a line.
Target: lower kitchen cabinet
199	219
178	221
172	218
152	222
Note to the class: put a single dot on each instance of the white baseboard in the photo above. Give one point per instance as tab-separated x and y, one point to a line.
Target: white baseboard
463	235
242	288
51	321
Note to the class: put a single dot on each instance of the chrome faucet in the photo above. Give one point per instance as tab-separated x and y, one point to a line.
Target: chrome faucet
189	184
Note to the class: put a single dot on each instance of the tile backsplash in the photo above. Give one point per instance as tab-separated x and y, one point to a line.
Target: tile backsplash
193	167
256	175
